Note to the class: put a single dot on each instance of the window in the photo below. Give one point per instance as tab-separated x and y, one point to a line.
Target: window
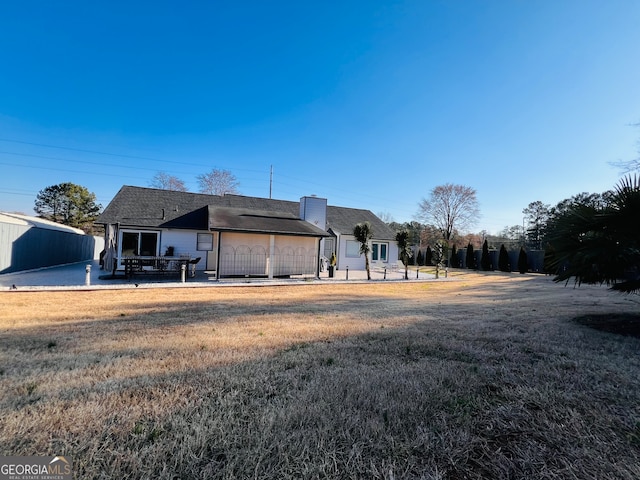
353	249
205	241
383	252
379	252
329	247
139	243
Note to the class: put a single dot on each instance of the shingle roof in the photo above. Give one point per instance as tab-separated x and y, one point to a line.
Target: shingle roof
250	220
343	219
149	207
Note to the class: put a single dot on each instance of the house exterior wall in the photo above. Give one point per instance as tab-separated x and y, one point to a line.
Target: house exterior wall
249	254
393	252
183	242
241	254
186	242
349	256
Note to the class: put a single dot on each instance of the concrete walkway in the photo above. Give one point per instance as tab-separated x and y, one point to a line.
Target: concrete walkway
75	277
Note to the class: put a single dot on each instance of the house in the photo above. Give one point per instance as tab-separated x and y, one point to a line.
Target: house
235	235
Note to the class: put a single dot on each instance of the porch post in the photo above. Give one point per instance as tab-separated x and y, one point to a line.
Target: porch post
218	256
272	253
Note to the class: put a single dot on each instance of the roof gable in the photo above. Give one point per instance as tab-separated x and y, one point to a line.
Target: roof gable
343	220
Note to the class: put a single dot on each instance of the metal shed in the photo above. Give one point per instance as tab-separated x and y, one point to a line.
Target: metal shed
28	243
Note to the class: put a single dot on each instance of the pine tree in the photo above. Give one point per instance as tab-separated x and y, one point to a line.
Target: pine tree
503	260
69	204
428	260
485	260
522	261
470	260
455	260
549	261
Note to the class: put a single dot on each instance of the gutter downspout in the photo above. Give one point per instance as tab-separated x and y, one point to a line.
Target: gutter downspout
318	243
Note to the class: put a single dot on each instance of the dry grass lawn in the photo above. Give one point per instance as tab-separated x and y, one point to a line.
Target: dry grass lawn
485	376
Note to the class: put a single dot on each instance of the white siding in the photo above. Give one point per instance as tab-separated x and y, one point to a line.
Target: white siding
184	242
354	263
359	263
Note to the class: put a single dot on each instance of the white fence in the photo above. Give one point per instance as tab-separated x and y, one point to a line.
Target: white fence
243	261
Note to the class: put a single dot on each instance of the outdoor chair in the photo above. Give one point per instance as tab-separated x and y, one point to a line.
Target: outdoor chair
192	264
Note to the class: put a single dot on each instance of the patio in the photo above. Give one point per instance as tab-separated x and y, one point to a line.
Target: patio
75	276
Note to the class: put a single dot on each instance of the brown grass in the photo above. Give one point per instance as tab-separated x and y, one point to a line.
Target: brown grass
486	376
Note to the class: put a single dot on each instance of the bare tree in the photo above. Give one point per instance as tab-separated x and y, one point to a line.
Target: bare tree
218	182
429	235
164	181
628	166
450	208
386	217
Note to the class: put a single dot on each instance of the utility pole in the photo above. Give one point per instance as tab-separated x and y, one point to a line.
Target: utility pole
270	181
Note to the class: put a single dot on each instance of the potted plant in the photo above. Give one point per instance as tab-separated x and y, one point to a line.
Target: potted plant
332	264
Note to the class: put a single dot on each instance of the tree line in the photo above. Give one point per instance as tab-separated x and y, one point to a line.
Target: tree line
592	238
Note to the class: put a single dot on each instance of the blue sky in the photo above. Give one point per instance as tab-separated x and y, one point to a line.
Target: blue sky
370	104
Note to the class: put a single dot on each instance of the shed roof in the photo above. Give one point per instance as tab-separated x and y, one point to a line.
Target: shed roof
28	221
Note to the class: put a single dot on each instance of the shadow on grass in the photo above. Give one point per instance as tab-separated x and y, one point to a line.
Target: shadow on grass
452	393
627	324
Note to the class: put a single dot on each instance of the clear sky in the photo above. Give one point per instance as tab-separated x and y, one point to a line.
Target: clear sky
369	104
